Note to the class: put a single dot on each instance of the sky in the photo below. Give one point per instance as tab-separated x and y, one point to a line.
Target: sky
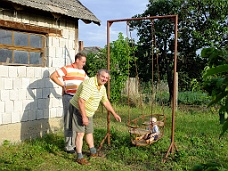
94	35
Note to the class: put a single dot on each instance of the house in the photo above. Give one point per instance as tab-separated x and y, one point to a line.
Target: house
36	37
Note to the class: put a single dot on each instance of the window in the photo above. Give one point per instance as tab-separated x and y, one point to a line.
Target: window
22	48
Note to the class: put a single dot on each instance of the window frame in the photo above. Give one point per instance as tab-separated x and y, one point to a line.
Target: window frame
25	48
29	29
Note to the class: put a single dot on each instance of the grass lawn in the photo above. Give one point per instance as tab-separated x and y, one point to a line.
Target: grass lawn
196	139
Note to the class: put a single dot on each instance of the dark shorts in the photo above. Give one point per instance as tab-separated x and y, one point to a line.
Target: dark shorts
149	137
77	121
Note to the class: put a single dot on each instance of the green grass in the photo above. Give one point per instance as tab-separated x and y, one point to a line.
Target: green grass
186	98
196	139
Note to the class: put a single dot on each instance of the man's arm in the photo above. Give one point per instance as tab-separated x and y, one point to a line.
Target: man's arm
109	107
54	77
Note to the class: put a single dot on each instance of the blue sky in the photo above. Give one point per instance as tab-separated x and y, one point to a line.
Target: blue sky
94	35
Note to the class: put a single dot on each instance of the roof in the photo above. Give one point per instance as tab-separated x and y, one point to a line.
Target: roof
70	8
92	49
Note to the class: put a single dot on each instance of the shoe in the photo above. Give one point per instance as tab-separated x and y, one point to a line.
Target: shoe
93	155
83	161
70	151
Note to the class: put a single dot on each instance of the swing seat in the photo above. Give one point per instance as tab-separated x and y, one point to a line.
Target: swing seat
139	127
139	142
138	131
142	142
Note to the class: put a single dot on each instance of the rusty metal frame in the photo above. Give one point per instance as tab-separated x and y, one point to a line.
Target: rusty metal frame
172	148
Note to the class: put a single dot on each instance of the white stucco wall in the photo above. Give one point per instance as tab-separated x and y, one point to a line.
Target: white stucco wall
30	103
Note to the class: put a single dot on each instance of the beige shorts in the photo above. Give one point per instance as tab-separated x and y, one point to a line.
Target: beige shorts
77	124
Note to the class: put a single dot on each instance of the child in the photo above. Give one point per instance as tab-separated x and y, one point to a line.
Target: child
154	132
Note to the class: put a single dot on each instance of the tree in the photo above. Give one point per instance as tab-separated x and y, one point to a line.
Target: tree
201	24
215	81
120	58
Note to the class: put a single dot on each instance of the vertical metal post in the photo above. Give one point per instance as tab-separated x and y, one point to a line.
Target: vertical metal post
108	67
108	135
172	146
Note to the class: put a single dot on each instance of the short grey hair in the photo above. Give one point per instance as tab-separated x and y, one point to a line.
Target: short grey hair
103	70
99	72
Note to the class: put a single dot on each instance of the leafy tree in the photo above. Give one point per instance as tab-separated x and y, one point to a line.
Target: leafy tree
95	61
215	81
200	24
120	56
120	59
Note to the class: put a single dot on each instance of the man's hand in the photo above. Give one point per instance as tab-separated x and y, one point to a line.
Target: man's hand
117	117
63	90
85	121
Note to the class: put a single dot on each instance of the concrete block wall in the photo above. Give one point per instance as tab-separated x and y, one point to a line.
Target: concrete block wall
26	97
30	103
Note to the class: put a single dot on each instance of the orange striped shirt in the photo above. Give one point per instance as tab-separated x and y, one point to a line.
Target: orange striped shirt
72	78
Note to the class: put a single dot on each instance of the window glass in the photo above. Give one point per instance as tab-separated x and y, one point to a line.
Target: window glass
36	41
20	39
5	37
35	58
21	48
21	57
4	54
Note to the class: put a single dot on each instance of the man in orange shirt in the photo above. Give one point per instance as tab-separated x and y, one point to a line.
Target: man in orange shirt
72	75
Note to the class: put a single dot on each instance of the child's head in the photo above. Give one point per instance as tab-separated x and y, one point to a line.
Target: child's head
153	119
